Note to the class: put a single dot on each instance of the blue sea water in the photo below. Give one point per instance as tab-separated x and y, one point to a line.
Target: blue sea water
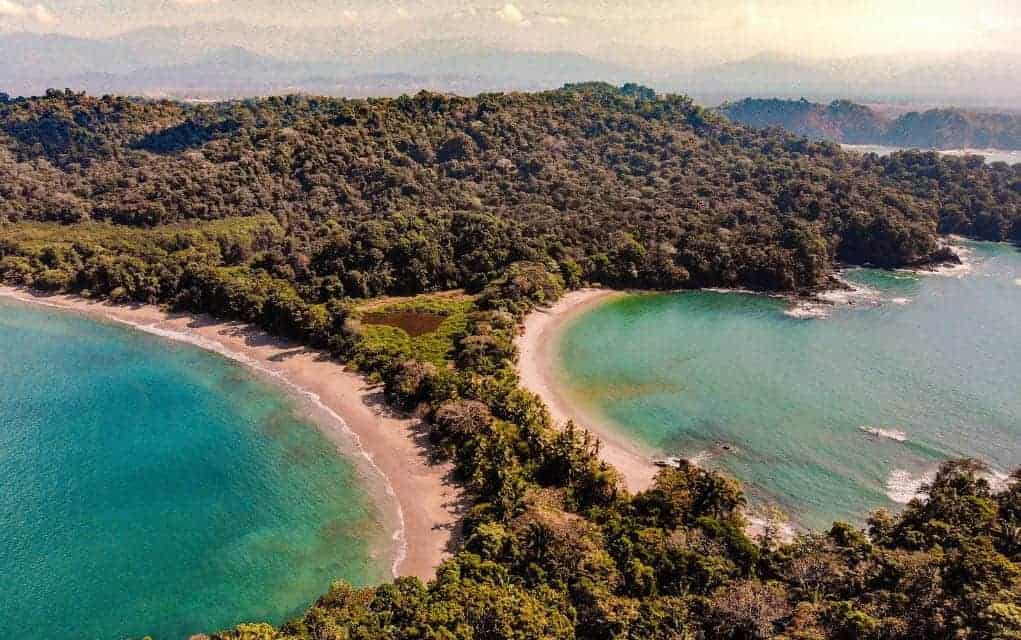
149	487
826	418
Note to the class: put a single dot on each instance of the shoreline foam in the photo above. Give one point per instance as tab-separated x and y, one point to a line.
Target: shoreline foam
965	254
850	294
902	486
426	506
820	304
949	269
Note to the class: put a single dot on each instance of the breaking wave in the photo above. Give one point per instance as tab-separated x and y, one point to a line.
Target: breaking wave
889	434
902	485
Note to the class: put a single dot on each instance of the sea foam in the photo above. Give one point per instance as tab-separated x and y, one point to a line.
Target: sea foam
808	311
966	265
822	304
998	481
852	294
757	525
902	485
889	434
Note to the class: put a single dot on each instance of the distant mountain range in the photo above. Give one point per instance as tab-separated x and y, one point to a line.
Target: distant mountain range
31	63
847	122
233	59
976	80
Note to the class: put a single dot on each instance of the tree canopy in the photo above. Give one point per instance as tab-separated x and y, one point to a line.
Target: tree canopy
845	121
289	212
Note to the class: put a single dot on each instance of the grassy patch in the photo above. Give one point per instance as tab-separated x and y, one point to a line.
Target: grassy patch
385	324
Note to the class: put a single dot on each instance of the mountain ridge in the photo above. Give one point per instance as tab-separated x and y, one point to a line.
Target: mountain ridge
851	123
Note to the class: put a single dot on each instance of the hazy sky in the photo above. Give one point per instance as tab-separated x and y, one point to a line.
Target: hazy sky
707	28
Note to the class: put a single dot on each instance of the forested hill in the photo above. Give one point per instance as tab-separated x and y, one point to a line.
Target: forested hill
435	191
847	122
285	212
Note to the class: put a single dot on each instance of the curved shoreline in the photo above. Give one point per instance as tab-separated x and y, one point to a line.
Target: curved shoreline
538	368
425	504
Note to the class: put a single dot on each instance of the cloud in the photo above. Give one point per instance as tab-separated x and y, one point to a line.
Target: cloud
37	12
511	14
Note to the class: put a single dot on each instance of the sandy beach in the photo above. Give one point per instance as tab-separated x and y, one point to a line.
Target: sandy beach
423	505
538	369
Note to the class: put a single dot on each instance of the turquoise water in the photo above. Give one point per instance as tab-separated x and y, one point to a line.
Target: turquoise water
781	402
151	487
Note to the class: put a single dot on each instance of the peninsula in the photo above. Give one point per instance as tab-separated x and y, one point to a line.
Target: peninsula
410	238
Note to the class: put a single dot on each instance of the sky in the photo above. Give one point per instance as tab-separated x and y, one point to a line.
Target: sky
709	29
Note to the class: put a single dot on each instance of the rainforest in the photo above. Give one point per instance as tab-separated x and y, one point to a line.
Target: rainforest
290	212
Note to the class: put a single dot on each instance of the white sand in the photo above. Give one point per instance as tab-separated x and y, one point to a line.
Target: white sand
538	369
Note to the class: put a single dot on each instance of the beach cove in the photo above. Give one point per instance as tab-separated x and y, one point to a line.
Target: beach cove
869	388
410	505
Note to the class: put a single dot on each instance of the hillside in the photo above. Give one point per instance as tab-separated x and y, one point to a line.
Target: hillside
654	193
288	212
846	122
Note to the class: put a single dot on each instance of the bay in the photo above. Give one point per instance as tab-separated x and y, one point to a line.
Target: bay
150	487
826	418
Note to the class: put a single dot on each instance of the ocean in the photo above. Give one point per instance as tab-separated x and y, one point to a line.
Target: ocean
826	412
150	487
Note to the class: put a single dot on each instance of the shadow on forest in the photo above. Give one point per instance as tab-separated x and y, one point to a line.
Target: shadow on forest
188	135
